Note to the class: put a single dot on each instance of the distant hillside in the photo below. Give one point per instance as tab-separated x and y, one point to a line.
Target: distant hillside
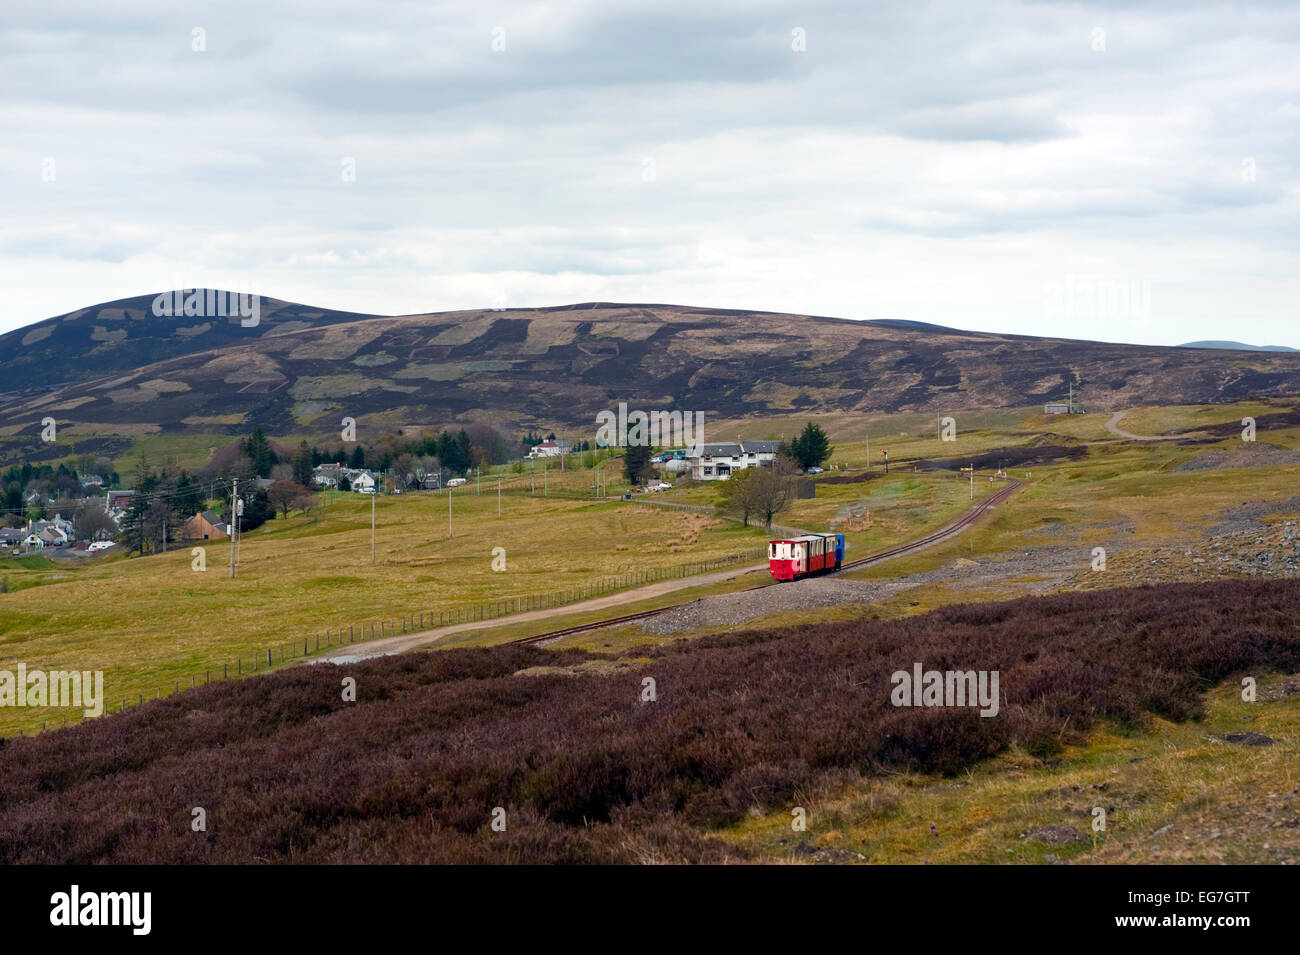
1237	346
119	369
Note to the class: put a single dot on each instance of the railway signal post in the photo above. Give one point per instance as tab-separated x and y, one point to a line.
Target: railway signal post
971	469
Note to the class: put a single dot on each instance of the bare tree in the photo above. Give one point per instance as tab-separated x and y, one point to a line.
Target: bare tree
761	492
286	496
95	524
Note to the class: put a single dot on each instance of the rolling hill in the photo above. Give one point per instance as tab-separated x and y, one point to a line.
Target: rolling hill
118	369
1236	346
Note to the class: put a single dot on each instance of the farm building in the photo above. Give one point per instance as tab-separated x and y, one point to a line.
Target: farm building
116	499
205	525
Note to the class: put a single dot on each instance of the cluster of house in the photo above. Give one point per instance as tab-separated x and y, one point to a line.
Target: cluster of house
62	533
38	535
330	475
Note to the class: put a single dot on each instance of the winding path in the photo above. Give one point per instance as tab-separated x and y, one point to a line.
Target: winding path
386	646
1113	427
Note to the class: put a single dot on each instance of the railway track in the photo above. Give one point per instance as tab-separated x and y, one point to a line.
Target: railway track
943	533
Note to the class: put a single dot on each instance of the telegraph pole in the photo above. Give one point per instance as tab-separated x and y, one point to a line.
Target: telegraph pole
234	496
450	532
374	492
868	452
498	496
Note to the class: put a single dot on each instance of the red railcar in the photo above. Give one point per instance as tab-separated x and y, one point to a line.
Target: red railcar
805	556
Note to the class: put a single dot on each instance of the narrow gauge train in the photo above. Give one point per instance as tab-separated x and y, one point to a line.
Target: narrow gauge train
805	556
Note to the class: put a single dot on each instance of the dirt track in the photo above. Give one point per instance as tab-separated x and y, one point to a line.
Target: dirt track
386	646
409	641
1113	427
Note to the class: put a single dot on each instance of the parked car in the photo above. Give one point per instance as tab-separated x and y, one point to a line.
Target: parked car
815	470
456	482
98	546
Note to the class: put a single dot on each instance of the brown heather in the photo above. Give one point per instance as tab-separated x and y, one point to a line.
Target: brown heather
288	772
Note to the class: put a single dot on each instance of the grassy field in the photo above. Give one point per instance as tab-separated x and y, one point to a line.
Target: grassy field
1121	496
1164	793
152	622
149	622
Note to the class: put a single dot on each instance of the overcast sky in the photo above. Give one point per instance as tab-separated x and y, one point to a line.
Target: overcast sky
1123	172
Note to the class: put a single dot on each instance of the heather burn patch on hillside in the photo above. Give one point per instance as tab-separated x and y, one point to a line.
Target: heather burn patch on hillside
585	769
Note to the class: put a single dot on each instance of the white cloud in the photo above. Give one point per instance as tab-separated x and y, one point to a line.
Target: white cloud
943	163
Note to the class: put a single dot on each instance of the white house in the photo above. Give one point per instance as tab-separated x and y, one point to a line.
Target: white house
361	482
549	449
326	475
715	462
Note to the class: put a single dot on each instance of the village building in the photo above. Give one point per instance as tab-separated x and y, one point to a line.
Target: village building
326	475
549	449
716	462
204	526
361	481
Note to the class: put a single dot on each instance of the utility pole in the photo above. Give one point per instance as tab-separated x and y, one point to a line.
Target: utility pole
450	532
545	492
374	493
498	496
886	456
868	452
234	496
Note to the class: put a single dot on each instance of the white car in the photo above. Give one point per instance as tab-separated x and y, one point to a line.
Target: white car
814	470
96	547
456	482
